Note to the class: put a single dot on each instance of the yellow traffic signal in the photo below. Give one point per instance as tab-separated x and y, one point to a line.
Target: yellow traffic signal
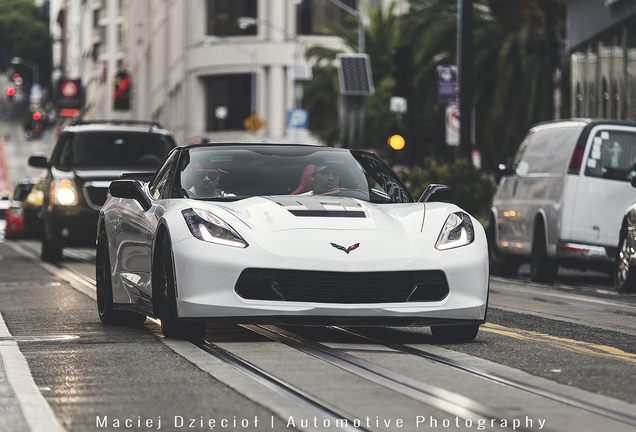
396	142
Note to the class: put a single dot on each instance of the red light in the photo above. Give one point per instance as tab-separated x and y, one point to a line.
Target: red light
16	77
37	115
577	159
38	128
10	91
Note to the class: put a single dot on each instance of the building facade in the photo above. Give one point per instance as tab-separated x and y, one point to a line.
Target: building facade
601	38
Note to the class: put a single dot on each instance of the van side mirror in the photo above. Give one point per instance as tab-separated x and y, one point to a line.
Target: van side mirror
130	189
39	161
634	181
437	193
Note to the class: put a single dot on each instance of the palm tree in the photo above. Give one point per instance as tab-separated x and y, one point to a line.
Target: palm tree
321	95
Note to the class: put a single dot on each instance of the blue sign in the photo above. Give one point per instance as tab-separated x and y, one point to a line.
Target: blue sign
297	119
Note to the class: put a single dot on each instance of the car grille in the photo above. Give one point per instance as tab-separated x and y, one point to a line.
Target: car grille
95	196
342	287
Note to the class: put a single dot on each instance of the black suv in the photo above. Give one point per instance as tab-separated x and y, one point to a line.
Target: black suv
86	158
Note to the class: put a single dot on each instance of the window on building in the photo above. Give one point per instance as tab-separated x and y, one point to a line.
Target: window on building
311	15
223	16
227	96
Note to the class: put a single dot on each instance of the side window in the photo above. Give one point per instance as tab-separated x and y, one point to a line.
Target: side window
163	177
612	155
546	151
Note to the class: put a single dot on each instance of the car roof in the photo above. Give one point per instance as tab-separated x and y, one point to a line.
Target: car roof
253	144
117	126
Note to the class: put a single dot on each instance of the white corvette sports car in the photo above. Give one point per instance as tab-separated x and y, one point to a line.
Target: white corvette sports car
287	234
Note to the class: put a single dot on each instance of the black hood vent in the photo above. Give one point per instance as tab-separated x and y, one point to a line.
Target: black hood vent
328	213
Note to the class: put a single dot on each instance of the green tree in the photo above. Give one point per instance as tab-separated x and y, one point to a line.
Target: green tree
321	95
22	34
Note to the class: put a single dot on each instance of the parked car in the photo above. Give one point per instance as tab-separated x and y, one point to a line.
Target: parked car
85	159
31	210
13	215
293	234
561	200
5	204
625	263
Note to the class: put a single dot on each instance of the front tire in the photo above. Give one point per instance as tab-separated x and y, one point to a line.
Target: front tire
456	333
624	273
171	327
107	313
542	267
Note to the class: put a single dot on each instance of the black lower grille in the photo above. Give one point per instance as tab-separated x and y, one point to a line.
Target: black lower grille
342	287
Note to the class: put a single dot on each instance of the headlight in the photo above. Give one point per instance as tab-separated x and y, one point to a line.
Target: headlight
458	231
208	227
64	192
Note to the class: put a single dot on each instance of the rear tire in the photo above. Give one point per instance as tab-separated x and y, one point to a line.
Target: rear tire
542	267
171	327
456	333
624	273
107	313
501	264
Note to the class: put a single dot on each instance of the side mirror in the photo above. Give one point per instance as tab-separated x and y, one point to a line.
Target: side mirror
39	161
130	189
634	181
437	193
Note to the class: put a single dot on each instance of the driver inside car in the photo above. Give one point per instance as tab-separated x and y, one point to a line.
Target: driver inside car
326	179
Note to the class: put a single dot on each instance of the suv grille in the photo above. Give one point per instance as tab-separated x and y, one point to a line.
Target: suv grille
95	195
342	287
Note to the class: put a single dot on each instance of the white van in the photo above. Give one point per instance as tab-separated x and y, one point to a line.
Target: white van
562	199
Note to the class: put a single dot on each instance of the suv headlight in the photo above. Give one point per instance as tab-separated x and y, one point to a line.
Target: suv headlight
457	231
208	227
64	192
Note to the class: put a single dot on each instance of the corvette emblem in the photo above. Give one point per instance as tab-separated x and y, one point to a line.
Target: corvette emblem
344	249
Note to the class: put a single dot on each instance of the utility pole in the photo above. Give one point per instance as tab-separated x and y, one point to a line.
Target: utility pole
465	72
551	55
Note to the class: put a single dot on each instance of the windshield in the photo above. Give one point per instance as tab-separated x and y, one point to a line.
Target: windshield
120	150
224	173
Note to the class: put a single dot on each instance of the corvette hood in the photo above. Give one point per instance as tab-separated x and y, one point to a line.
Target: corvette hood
282	213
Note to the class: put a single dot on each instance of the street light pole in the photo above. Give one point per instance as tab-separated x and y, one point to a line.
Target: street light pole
357	14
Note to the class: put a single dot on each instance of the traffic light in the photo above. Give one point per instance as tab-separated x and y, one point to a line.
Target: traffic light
403	67
36	125
397	139
10	93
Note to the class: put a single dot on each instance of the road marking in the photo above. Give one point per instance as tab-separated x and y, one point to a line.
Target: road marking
36	411
558	342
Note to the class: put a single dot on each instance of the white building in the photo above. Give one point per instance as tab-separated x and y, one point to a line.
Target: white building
192	67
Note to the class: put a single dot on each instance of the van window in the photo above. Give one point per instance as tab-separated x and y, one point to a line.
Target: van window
612	155
546	151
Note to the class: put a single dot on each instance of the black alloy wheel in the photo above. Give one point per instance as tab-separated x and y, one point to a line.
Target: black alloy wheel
624	273
542	267
171	327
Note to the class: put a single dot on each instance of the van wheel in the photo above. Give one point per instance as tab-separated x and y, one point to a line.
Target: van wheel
624	273
542	267
501	264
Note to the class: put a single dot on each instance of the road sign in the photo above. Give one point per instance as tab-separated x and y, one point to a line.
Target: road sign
452	125
253	123
297	124
446	85
69	94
